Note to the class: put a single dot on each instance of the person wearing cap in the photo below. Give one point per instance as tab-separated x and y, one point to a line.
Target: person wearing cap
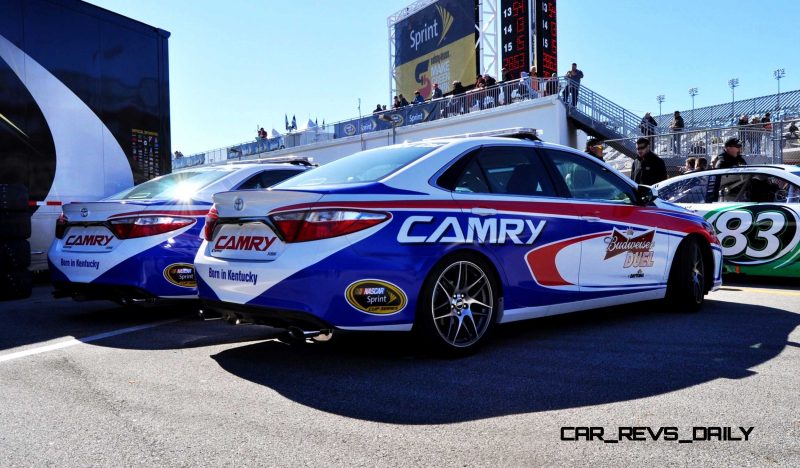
594	147
732	156
648	168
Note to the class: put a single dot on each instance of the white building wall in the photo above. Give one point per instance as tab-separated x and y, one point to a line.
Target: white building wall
546	114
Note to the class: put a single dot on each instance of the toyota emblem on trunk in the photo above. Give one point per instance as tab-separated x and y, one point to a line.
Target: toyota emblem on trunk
238	204
84	212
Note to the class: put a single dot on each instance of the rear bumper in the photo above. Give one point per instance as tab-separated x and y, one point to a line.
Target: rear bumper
273	317
126	295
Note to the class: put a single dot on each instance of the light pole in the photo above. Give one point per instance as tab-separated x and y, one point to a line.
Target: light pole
778	74
660	99
692	93
733	83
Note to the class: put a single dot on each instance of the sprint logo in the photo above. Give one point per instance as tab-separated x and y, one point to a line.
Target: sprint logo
432	31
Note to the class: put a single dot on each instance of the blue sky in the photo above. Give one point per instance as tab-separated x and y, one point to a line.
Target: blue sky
238	64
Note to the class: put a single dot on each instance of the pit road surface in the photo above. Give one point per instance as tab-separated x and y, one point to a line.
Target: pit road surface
94	384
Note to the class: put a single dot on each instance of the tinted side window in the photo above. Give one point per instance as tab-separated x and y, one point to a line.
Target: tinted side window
787	192
504	171
692	190
266	179
756	188
588	180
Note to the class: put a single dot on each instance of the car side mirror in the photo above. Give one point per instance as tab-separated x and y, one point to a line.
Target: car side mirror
646	194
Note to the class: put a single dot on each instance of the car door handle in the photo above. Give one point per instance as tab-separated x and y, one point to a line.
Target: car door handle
591	219
484	211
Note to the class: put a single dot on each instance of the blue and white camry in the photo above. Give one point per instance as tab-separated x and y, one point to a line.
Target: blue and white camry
137	246
448	237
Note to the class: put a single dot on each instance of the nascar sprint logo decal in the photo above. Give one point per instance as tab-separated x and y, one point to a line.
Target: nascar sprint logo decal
376	297
181	274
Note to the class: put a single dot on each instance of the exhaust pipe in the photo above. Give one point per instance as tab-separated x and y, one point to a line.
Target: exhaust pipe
207	315
299	334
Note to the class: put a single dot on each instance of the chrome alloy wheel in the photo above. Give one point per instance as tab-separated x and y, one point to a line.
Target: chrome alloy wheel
462	304
698	275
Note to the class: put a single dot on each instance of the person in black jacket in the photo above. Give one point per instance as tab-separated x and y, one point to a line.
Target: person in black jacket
648	168
677	127
732	156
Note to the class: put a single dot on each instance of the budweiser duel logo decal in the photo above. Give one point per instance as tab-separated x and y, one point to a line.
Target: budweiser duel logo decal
638	250
251	243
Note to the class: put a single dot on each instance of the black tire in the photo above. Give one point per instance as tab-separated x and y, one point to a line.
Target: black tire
15	284
14	255
13	197
457	306
15	225
686	288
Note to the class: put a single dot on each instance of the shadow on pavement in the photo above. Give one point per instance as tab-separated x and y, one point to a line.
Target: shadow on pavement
569	361
41	318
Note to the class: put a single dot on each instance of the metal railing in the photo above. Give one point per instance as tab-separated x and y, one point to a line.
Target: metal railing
724	114
471	101
602	115
760	145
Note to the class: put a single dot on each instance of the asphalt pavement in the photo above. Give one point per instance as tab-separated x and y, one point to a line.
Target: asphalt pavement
93	384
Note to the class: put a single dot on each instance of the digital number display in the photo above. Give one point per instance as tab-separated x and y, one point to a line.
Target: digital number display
515	36
546	40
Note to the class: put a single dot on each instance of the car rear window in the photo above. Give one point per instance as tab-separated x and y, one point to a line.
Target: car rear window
365	166
177	185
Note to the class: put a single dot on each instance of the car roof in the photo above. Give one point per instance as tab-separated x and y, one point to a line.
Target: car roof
785	170
239	166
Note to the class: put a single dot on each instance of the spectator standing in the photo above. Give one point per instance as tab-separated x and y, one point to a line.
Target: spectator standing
648	127
525	89
489	80
507	75
262	134
742	124
767	126
377	109
552	85
794	132
396	104
418	99
594	147
403	101
702	164
437	91
676	126
535	81
574	77
648	168
732	156
755	135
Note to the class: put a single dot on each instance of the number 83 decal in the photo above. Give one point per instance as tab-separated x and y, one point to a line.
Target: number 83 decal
756	234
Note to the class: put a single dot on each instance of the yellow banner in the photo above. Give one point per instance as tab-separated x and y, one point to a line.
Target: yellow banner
456	61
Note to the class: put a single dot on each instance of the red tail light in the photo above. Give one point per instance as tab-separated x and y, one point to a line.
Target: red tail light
303	226
61	226
131	228
211	222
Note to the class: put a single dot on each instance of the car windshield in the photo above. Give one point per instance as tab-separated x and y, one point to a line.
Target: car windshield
365	166
181	185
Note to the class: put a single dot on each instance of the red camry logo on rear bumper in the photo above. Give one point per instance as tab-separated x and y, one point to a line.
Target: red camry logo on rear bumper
257	243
